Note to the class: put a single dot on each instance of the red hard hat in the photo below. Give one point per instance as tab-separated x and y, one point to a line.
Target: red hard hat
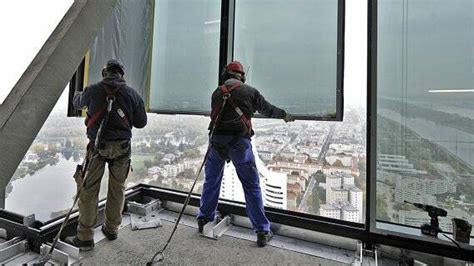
235	66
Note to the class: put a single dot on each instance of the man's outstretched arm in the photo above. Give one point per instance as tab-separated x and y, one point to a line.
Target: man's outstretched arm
267	109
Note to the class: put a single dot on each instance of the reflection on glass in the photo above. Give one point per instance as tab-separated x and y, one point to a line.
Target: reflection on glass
185	54
425	110
290	48
25	26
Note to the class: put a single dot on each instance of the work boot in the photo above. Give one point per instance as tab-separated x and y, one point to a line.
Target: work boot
263	238
82	245
201	223
110	235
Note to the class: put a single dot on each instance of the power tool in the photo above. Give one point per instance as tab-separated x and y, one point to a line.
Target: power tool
431	229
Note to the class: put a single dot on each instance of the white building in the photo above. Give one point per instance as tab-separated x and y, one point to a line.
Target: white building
273	185
327	170
180	167
332	180
231	188
266	155
348	180
31	157
356	199
154	170
396	163
421	190
300	158
336	195
330	211
171	170
351	214
168	158
346	160
341	210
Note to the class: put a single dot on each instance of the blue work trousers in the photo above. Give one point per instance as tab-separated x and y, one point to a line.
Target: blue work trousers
241	155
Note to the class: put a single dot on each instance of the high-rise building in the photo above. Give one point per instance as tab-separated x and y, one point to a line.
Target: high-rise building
273	185
356	200
350	213
330	211
336	194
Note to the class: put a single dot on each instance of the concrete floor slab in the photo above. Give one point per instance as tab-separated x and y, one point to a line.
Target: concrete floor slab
188	248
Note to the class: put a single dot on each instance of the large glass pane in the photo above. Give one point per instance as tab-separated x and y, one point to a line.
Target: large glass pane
291	50
185	54
25	26
306	166
425	127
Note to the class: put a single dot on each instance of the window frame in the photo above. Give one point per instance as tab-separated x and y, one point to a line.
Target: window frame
226	55
366	232
377	231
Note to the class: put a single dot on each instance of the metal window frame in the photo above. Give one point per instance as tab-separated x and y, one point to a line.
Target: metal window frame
368	232
382	236
43	233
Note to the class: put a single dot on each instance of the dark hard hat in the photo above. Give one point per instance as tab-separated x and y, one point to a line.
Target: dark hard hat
113	65
235	66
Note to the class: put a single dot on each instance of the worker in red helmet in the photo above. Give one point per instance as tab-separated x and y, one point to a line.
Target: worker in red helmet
231	141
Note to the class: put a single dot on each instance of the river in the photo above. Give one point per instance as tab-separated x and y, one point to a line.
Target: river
454	140
49	190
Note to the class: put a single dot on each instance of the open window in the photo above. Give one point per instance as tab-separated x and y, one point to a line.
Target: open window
292	50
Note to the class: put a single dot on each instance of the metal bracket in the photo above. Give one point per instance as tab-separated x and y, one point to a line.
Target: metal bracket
29	220
64	254
367	251
218	228
13	250
144	215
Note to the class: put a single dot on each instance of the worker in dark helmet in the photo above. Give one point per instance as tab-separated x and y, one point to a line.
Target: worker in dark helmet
231	141
112	147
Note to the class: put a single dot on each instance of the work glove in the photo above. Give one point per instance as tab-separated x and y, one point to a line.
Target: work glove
288	118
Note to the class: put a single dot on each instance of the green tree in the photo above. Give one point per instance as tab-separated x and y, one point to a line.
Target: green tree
37	147
382	208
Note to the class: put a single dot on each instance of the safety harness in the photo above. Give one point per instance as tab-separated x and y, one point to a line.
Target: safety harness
110	99
227	96
159	256
81	170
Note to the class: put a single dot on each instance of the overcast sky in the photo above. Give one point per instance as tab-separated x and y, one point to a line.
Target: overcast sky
25	25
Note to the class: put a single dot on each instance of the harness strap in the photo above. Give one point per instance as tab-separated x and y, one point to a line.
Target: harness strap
97	115
112	161
226	93
242	116
228	96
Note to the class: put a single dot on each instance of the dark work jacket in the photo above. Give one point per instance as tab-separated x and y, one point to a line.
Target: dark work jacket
250	101
126	98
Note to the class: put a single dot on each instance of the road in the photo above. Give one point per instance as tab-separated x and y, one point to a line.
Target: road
312	181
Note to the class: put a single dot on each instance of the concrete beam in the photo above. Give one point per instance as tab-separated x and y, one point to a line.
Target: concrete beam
29	104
